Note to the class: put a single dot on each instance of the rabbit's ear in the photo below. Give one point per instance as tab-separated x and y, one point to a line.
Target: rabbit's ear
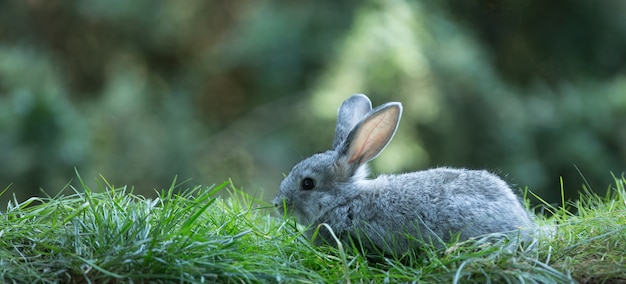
370	136
350	113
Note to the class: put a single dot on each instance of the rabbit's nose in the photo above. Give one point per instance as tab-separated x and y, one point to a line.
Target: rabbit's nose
277	201
280	201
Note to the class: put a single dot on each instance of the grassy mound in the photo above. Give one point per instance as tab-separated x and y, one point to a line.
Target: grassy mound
195	236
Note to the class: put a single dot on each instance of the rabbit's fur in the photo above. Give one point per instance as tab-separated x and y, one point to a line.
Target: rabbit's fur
392	212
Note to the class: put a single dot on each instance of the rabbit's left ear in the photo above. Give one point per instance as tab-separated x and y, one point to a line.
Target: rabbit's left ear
353	110
370	136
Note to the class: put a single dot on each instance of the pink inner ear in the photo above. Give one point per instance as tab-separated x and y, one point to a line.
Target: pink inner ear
373	135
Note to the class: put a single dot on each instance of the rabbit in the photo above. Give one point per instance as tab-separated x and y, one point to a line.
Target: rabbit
392	213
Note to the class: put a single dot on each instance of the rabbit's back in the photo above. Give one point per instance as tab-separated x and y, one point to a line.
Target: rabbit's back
446	202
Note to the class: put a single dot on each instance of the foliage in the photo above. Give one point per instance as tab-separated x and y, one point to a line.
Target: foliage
194	236
142	91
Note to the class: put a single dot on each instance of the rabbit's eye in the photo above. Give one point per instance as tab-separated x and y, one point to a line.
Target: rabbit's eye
307	183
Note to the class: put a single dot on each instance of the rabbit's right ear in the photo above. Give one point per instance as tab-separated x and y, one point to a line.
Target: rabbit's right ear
370	136
350	113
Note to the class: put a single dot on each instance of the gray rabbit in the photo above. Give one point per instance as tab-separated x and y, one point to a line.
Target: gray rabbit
392	213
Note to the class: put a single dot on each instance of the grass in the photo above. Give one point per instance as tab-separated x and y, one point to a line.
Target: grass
110	235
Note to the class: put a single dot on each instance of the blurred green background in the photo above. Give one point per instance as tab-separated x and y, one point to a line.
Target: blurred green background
142	91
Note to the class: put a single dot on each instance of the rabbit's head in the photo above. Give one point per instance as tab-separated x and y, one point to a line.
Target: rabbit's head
323	181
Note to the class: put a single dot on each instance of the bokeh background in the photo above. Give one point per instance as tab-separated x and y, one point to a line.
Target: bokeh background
143	91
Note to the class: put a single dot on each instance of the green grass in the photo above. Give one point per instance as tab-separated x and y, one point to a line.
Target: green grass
194	236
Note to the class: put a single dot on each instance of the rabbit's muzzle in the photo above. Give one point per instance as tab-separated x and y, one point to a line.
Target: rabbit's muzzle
283	205
280	203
